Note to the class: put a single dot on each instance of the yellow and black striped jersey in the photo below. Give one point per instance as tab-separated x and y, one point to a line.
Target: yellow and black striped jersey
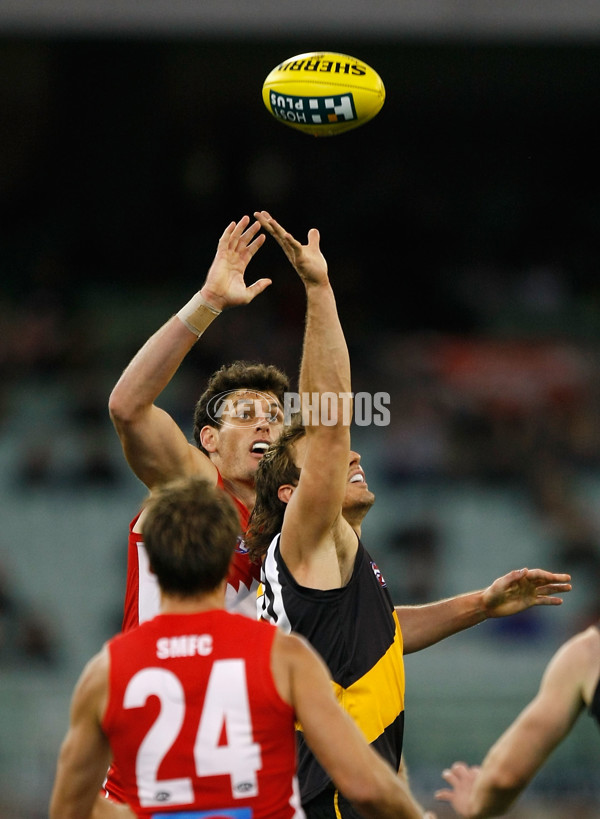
356	631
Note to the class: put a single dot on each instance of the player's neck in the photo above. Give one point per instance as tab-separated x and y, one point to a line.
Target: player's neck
243	491
355	513
175	604
355	518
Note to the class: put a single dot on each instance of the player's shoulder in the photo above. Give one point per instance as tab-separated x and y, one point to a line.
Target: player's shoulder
239	623
578	659
293	647
203	467
586	660
92	684
584	644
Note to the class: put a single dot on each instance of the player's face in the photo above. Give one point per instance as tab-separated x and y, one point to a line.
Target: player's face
357	496
250	421
358	499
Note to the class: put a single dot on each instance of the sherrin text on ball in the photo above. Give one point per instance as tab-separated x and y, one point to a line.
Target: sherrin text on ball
323	93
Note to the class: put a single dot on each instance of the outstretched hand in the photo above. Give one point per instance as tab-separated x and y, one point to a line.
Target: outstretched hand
307	260
224	285
520	589
461	778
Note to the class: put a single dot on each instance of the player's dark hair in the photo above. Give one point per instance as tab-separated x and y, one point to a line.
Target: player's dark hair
190	532
276	468
239	375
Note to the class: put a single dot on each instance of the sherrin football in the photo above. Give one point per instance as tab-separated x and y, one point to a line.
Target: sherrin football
323	93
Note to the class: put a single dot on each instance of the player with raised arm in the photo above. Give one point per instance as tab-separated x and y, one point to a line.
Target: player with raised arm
198	705
318	578
227	445
237	416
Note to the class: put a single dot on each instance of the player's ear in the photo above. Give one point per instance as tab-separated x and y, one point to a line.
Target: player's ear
285	492
208	438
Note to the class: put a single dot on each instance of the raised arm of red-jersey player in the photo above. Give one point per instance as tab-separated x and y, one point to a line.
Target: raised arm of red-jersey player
154	445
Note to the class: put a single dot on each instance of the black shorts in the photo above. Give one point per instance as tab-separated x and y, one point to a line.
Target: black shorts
330	804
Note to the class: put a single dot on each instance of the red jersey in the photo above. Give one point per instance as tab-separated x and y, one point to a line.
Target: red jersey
195	721
142	596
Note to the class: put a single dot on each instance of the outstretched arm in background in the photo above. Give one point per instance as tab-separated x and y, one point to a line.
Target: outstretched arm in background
156	448
566	688
516	591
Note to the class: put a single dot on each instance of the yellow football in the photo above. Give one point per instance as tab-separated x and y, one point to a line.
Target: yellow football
323	93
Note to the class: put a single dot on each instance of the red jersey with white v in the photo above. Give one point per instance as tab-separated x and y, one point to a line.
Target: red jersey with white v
195	721
142	596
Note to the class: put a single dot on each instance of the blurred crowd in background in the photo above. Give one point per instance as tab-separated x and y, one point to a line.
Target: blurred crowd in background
461	230
460	226
515	410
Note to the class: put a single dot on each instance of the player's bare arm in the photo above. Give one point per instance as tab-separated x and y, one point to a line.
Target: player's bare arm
108	809
511	763
85	753
155	447
512	593
309	542
357	770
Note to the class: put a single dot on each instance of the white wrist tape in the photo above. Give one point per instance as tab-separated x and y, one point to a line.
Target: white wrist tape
197	314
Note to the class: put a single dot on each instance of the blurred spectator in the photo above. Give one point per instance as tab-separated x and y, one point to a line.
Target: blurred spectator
25	634
416	443
414	552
